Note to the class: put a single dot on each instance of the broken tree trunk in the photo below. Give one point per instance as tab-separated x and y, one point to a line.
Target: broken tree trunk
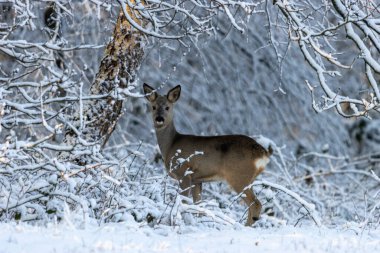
117	70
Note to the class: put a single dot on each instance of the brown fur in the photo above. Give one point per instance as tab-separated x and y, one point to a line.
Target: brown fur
233	158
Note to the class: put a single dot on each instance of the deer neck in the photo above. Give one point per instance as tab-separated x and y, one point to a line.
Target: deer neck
165	138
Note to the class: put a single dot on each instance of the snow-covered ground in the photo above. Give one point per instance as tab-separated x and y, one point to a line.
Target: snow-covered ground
127	237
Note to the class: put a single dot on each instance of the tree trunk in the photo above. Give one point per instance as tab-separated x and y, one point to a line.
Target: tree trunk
118	68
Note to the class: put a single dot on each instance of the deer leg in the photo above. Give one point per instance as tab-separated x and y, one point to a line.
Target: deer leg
254	207
196	191
185	187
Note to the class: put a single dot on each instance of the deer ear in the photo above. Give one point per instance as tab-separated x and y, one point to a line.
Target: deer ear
150	93
173	94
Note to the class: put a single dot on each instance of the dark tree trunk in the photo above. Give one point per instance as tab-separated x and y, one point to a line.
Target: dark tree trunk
117	70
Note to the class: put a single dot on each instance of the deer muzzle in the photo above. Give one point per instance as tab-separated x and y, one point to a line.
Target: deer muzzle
159	121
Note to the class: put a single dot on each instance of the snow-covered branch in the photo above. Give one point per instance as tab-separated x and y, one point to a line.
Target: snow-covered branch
317	28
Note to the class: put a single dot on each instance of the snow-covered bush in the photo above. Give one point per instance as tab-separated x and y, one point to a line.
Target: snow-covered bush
325	168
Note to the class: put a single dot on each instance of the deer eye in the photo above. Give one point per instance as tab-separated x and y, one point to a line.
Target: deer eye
153	107
167	108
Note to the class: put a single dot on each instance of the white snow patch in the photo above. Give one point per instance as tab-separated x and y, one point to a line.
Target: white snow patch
134	237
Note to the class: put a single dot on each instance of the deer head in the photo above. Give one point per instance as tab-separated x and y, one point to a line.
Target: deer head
162	106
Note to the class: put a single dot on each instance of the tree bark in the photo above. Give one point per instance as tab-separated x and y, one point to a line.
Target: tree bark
123	57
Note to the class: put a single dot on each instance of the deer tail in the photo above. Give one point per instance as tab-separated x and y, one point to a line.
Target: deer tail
269	151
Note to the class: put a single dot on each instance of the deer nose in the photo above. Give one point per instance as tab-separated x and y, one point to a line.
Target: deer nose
160	120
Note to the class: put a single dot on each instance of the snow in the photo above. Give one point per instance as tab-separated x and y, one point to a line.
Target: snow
320	192
137	237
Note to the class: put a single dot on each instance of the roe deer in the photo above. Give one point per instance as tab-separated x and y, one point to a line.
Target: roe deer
192	160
